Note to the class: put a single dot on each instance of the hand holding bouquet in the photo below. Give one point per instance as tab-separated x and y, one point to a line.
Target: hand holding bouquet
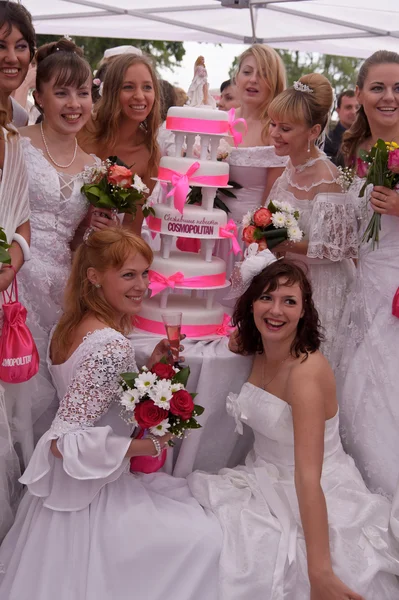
5	257
112	185
271	226
380	167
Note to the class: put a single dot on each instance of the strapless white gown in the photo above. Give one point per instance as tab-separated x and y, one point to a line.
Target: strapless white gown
264	553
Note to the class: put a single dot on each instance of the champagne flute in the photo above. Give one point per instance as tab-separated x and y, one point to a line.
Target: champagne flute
172	322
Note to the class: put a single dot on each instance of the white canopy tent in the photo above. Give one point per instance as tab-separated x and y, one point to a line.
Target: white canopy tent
343	27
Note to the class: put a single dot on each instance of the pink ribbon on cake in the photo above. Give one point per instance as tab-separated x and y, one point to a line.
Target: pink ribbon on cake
159	282
236	135
226	327
191	331
230	231
197	125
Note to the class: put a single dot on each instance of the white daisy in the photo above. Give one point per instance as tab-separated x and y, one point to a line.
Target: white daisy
279	220
139	185
161	394
285	207
295	234
145	381
176	387
290	221
161	428
144	369
130	398
247	219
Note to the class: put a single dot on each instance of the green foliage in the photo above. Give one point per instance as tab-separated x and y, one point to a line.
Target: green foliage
165	54
340	70
5	258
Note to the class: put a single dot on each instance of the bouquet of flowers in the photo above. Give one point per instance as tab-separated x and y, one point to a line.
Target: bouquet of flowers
5	257
271	226
380	166
157	401
114	186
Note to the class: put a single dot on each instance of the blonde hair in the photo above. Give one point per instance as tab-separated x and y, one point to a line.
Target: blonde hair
310	107
272	70
103	129
107	249
360	130
181	96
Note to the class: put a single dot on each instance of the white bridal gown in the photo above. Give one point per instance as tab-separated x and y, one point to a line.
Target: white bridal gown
87	528
264	553
328	219
368	356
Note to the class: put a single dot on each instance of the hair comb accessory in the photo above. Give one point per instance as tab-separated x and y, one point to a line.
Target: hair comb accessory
302	87
244	271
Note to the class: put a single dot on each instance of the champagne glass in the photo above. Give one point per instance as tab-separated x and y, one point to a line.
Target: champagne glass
172	322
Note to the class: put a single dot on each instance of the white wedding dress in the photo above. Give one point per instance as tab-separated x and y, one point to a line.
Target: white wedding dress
328	220
367	355
264	553
87	528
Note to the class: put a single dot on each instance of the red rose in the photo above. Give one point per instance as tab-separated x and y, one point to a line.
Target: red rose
248	234
262	217
148	415
121	176
182	405
163	371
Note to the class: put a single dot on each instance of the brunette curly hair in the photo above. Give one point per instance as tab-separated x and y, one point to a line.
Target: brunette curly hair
308	337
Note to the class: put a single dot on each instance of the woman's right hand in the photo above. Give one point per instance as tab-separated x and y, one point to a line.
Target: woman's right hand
102	219
330	587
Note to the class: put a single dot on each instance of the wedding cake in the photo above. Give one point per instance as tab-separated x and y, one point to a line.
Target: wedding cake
173	270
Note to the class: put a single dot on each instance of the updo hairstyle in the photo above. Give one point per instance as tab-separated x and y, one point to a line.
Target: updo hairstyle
64	61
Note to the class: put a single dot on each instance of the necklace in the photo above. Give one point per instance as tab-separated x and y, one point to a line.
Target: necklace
264	385
48	151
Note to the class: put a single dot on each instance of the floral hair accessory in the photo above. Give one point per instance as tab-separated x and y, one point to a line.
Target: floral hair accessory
302	87
245	271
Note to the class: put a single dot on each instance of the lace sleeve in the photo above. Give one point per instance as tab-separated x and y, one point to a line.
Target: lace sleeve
333	227
94	387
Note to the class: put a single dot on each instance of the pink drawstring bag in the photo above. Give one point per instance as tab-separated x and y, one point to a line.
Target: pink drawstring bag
147	464
395	304
19	358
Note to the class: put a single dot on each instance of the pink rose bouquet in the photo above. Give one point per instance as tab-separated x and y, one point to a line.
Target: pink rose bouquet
272	225
383	169
114	186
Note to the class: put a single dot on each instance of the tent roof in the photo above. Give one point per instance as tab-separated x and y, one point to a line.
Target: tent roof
344	27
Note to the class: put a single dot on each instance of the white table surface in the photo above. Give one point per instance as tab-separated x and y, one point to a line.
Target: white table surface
215	371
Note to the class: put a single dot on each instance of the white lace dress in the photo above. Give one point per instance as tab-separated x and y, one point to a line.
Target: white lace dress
88	529
264	553
328	220
367	355
248	168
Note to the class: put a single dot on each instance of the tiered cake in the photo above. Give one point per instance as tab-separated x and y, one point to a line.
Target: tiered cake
176	270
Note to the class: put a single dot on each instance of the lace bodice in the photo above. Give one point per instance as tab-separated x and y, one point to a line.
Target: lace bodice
270	418
57	205
88	382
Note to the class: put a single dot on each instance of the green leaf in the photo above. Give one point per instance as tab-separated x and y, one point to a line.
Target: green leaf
129	378
5	258
198	409
182	376
273	209
218	203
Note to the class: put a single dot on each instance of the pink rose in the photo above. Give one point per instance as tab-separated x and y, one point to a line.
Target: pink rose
393	161
262	217
362	168
248	234
121	176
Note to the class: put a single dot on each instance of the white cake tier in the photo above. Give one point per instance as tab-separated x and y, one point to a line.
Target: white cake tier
195	222
197	120
198	320
197	273
211	173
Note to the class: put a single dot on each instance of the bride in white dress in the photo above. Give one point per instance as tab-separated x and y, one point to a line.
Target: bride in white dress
297	519
368	344
87	528
254	164
313	186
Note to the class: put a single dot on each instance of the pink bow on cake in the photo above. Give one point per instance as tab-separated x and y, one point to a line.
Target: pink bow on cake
230	231
180	186
236	135
159	282
226	327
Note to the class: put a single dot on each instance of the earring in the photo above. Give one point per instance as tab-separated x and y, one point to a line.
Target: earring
97	285
308	146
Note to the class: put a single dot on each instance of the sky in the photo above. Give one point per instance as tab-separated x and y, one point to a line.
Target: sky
218	60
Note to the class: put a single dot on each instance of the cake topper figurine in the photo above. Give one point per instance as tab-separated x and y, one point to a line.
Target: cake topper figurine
198	92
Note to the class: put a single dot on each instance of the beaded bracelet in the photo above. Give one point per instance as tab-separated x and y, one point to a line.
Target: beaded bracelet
157	445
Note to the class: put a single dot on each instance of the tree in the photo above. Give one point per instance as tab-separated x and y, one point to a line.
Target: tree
341	71
165	54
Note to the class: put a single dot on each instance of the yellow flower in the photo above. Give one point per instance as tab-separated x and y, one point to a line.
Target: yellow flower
391	145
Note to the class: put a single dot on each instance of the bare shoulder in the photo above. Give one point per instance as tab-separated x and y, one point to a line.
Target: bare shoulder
315	366
30	131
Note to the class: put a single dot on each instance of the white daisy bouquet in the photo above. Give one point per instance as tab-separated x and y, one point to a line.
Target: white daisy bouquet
271	225
157	401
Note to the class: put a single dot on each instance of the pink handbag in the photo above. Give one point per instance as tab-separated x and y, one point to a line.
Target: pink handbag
147	464
19	358
395	304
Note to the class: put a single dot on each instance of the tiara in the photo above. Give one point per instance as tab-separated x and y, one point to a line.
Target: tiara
302	87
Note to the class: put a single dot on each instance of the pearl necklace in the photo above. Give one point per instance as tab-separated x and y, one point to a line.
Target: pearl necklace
48	151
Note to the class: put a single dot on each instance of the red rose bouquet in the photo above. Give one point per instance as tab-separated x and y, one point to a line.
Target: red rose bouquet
114	186
157	401
271	226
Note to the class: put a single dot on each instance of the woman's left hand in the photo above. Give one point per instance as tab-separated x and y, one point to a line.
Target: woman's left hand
162	350
103	218
385	201
6	277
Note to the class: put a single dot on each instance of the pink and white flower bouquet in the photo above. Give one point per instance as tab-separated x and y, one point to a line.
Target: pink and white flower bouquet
271	226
